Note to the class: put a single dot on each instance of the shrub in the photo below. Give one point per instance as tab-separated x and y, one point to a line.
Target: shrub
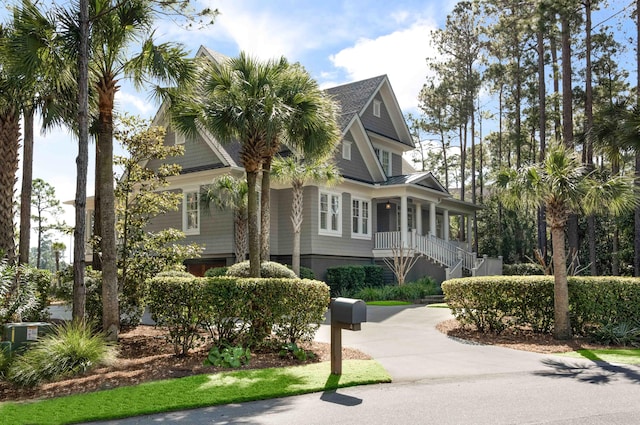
237	311
28	298
373	275
216	271
228	357
618	334
345	280
306	273
522	269
268	269
178	303
5	361
497	302
411	291
70	350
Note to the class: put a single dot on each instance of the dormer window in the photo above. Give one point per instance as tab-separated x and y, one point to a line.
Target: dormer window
385	160
346	150
376	108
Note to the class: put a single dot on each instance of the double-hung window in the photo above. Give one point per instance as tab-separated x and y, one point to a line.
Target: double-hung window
330	214
361	223
385	160
191	212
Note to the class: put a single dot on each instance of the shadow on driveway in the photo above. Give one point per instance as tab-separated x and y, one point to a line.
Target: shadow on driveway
597	372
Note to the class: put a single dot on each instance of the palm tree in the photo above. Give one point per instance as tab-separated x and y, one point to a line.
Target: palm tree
10	95
564	187
296	172
116	27
311	129
228	192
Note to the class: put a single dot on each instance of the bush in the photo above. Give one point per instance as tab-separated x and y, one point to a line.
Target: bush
373	275
228	357
5	361
238	311
268	269
70	350
216	271
345	280
411	291
29	299
497	302
522	269
618	334
178	303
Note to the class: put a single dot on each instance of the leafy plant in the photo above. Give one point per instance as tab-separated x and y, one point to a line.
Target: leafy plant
215	271
71	349
292	349
624	333
232	357
18	293
268	269
6	358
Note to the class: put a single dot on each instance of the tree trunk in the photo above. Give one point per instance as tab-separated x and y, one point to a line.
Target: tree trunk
296	222
557	126
542	124
254	237
562	325
9	146
636	215
79	289
25	194
110	308
265	211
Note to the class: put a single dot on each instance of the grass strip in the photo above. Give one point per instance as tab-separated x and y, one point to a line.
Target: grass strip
192	392
388	303
619	355
438	305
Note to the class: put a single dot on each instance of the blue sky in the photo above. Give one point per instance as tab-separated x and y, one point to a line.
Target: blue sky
337	41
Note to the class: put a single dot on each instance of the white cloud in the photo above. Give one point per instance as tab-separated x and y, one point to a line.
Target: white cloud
134	104
401	55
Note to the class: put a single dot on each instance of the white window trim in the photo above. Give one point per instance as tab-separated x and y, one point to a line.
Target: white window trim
346	150
379	153
329	232
195	231
377	105
355	235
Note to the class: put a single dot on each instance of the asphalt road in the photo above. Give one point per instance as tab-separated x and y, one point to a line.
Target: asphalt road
440	380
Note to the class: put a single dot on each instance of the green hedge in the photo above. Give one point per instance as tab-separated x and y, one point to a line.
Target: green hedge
268	269
237	310
522	269
347	280
499	302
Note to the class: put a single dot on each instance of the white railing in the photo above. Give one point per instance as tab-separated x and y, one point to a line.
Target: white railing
454	272
468	259
437	249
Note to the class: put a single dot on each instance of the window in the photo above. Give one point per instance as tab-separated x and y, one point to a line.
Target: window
410	218
346	150
385	160
191	212
376	108
360	227
330	217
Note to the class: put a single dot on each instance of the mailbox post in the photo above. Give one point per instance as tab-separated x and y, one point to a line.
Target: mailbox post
346	313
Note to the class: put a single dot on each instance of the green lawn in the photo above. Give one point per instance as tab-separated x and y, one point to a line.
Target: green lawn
438	305
192	392
388	303
625	356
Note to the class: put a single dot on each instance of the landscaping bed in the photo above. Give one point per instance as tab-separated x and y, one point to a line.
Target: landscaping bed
145	355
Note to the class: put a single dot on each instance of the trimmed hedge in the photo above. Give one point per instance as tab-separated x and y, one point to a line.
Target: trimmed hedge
522	269
498	302
347	280
237	310
268	269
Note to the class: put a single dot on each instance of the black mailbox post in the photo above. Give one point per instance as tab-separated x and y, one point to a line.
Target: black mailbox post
346	313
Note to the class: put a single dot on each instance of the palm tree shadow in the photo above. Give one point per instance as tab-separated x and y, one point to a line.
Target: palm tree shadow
597	372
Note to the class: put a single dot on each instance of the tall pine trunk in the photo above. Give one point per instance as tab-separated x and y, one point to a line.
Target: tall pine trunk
79	289
562	325
542	124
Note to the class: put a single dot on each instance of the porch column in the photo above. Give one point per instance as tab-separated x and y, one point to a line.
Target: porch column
445	225
432	219
404	221
469	231
419	219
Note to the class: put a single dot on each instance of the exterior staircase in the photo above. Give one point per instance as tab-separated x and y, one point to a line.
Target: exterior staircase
456	261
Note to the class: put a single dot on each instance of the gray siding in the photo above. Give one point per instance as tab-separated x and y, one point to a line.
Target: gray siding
356	167
381	125
396	165
197	154
216	229
333	245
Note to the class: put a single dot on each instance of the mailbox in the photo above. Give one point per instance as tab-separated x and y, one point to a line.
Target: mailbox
348	311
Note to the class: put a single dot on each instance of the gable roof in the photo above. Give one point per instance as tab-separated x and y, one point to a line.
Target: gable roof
354	97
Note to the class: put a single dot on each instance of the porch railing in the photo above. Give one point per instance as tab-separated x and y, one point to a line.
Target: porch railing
443	252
